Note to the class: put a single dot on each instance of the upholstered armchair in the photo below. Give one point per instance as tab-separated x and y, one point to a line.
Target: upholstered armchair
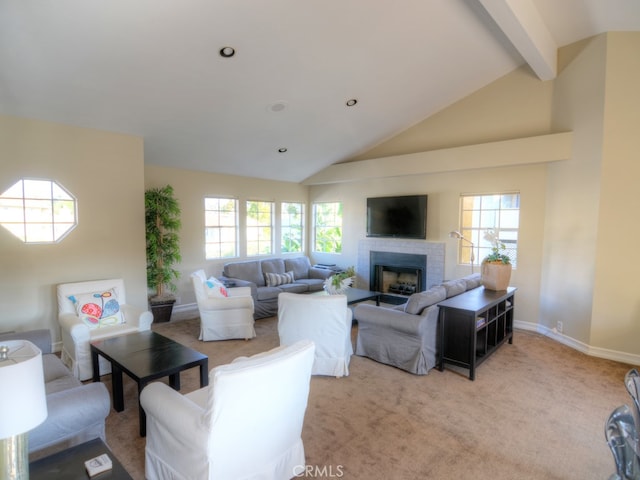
223	315
94	310
324	319
247	423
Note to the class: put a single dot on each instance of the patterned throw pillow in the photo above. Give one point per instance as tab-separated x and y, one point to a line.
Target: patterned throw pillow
276	279
98	309
215	288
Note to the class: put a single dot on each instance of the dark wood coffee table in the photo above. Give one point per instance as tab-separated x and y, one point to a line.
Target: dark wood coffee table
357	295
145	356
69	464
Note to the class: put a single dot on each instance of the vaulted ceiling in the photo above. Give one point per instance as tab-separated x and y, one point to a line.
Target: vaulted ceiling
153	68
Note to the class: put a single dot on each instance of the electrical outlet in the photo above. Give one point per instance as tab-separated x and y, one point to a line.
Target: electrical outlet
559	326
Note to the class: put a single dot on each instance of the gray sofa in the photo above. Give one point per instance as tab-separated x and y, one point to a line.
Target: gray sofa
76	413
405	336
306	278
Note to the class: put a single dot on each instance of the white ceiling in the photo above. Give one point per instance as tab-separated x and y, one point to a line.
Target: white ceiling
152	68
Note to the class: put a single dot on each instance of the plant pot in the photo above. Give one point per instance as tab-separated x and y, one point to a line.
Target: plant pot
161	309
496	275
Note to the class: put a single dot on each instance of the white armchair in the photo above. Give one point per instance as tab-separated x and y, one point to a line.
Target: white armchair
223	318
246	424
77	334
324	319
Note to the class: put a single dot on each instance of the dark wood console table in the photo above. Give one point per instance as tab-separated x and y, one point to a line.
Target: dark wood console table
473	325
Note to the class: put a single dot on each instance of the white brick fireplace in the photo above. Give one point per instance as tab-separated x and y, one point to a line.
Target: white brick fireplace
434	252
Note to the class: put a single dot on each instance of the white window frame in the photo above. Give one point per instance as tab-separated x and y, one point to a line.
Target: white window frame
220	228
259	232
288	226
38	211
338	220
492	211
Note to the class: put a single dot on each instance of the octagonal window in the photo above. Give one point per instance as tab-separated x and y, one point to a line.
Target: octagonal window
38	211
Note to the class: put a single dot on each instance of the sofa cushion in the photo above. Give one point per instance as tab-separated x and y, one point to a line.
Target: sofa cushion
57	376
250	271
268	293
312	284
473	281
299	266
419	301
455	287
273	265
277	279
294	287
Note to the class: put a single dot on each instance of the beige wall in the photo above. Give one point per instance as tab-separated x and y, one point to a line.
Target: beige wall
576	261
191	188
105	173
616	303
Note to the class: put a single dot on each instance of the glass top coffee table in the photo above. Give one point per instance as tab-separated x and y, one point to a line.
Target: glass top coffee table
145	356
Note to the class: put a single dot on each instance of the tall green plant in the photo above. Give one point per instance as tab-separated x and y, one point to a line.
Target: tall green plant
162	217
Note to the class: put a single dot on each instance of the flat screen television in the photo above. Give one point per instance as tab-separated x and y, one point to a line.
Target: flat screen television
397	217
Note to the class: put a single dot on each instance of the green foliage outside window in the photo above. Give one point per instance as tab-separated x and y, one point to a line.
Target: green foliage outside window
292	227
328	227
259	228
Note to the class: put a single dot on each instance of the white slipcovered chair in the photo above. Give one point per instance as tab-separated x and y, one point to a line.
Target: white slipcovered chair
77	334
223	318
324	319
247	423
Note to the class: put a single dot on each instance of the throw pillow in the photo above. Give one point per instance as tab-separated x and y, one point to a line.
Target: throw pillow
419	301
215	288
98	309
277	279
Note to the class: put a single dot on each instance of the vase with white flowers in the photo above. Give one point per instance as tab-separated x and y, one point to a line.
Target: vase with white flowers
339	283
496	267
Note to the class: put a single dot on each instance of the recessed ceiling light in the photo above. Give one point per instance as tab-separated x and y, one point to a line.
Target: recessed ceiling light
277	107
227	52
282	150
352	102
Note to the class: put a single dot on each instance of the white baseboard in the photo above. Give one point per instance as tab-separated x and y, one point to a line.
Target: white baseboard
185	312
623	357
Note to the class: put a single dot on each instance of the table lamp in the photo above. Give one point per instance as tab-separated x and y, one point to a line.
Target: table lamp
23	404
458	235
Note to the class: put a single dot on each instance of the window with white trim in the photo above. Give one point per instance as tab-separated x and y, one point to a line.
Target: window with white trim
221	227
38	211
327	222
259	228
478	213
291	227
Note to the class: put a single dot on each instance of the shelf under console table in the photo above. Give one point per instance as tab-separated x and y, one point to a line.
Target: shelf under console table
473	325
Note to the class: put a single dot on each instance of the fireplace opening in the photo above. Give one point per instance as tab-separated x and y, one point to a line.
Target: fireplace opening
397	275
397	280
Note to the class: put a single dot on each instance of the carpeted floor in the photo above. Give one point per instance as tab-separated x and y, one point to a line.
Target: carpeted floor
535	411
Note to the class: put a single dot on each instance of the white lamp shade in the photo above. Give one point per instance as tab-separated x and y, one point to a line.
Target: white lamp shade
23	403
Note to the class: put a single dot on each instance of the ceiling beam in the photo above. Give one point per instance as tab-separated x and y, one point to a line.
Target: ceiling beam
522	24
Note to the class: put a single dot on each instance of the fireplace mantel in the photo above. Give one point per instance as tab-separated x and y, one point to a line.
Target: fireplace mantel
433	250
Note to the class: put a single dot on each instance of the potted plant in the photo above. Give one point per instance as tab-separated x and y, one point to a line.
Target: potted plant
338	283
162	217
496	267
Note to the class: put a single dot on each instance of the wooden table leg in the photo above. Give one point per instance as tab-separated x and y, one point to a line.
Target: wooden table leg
204	373
116	385
95	363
